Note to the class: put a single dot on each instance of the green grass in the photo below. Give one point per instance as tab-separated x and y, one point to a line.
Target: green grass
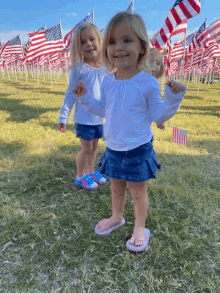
47	238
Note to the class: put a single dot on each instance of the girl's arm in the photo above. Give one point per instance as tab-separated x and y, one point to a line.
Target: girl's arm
94	106
161	111
70	98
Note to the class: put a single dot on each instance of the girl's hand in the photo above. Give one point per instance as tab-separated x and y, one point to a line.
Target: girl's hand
176	87
79	89
62	127
161	126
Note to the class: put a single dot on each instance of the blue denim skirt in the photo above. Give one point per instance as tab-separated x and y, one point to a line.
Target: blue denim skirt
89	132
137	165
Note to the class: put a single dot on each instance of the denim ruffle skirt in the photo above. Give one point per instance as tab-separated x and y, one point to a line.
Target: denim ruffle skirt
137	165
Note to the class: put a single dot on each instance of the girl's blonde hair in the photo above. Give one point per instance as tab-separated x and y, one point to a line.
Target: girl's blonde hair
136	23
153	53
76	54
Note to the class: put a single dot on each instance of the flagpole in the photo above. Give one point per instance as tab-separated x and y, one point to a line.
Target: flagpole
210	76
200	72
184	53
93	17
64	54
190	70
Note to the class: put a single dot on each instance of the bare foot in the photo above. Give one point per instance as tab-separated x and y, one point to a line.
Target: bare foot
106	224
138	237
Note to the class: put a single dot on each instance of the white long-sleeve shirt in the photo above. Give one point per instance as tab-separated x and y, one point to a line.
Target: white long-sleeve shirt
92	78
129	107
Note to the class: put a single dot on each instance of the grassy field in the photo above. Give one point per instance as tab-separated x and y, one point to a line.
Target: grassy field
47	239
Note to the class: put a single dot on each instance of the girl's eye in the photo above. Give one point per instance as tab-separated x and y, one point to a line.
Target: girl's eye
111	42
127	41
83	42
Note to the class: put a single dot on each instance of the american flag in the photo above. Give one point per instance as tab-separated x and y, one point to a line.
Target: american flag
181	28
182	10
27	46
194	45
179	136
49	41
177	52
210	34
216	67
189	40
69	37
12	50
213	51
103	30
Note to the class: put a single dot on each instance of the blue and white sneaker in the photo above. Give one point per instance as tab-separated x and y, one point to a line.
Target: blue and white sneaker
87	182
98	177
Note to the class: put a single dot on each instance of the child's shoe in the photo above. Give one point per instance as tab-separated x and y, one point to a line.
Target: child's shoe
86	182
98	177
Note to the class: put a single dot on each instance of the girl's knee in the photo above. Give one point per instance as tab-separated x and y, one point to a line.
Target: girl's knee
86	152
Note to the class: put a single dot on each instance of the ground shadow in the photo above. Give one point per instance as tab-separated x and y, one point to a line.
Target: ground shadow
22	113
202	110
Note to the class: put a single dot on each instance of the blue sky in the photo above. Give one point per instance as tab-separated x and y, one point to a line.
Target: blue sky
24	16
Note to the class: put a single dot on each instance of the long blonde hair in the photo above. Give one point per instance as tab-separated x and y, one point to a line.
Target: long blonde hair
76	54
136	23
155	52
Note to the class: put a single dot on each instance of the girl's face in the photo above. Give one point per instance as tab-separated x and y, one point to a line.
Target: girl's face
89	44
124	48
155	64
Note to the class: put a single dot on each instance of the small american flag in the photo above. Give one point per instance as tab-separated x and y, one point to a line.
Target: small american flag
179	136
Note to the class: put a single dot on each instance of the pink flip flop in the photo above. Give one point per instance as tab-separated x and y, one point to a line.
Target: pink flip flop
108	231
139	248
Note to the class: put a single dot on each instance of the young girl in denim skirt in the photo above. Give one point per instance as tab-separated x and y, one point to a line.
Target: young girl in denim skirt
130	101
86	66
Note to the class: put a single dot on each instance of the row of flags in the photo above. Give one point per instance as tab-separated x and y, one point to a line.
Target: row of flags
202	49
44	45
49	46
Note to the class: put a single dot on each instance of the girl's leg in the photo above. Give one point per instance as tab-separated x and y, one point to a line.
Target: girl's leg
139	194
92	157
81	161
118	190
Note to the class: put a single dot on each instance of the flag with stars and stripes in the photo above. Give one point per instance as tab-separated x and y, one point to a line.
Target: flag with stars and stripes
12	50
181	10
49	41
103	30
179	136
181	28
209	35
189	40
69	37
194	45
27	46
